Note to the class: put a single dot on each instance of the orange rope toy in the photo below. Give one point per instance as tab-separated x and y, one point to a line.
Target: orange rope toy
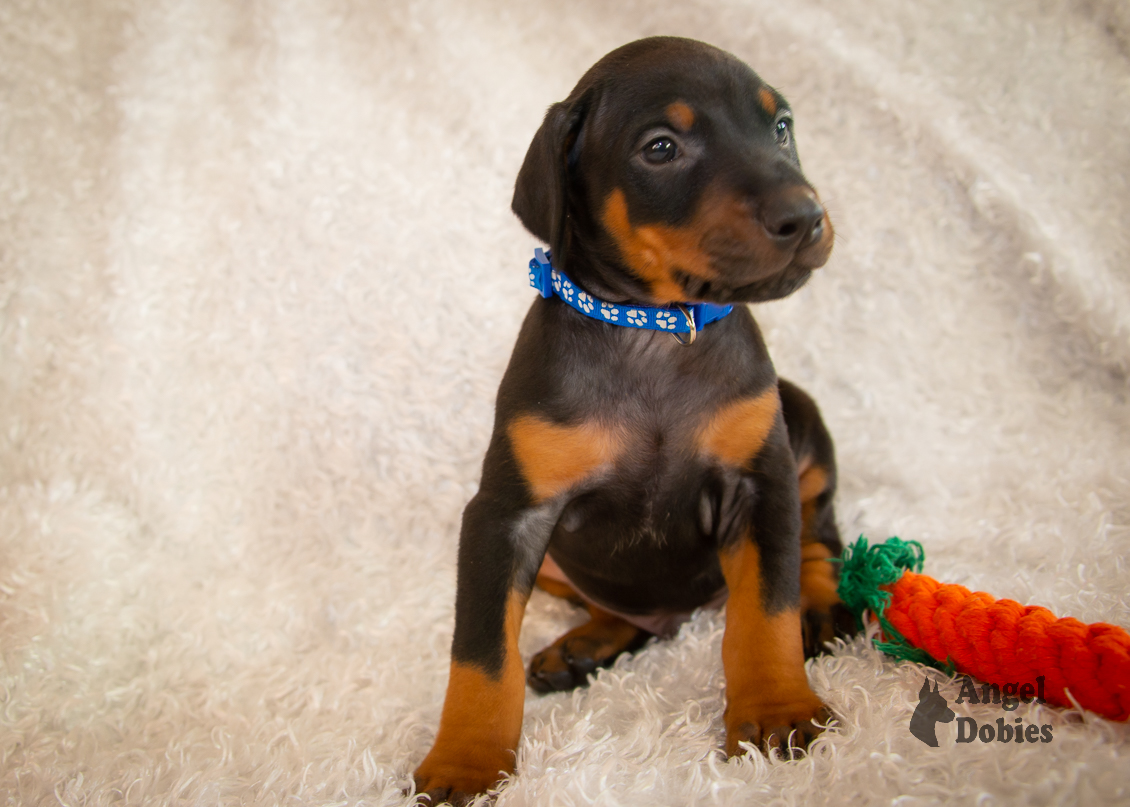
998	641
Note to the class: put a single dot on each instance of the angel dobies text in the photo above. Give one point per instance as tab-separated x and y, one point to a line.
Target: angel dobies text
1010	696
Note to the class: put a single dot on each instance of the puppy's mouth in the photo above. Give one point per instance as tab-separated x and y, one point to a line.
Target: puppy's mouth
745	271
735	248
775	287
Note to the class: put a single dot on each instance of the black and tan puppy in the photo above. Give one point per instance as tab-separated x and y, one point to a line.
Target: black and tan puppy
658	476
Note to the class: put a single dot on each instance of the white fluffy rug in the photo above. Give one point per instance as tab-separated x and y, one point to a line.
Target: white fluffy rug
258	283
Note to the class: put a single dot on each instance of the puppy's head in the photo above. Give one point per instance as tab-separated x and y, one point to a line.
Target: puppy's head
670	174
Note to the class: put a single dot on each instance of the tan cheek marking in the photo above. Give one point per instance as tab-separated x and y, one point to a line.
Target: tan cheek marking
654	252
680	115
553	458
482	719
767	100
736	433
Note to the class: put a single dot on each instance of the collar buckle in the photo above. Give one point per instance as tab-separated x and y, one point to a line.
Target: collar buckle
541	273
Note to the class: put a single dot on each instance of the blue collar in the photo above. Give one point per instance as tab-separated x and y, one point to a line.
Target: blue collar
678	318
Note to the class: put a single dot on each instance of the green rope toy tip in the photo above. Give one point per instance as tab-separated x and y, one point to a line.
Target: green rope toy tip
864	570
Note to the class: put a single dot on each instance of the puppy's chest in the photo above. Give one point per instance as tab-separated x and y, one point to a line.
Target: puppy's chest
673	428
664	488
656	511
674	462
645	459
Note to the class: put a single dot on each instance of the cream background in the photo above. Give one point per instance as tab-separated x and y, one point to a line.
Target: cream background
258	283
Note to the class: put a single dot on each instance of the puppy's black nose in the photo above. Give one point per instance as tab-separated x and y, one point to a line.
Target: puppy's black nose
794	217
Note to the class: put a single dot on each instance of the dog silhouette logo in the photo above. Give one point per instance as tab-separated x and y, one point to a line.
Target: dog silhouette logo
932	709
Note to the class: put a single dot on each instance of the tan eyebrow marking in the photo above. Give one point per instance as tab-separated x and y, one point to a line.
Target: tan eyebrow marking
768	100
680	115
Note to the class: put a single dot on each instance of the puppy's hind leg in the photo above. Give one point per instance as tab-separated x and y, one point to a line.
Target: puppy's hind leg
823	615
567	663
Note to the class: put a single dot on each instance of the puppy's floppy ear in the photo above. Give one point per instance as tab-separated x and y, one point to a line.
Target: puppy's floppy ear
541	192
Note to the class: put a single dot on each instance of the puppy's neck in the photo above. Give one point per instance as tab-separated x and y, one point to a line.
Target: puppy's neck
605	277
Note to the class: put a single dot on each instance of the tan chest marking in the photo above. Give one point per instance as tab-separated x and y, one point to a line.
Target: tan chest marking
735	433
553	458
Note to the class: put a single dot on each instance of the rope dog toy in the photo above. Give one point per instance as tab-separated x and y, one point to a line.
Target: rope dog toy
997	641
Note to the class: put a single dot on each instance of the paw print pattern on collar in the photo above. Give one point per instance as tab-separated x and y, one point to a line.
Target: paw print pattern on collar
673	319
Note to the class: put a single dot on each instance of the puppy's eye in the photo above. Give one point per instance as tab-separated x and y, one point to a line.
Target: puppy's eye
784	132
660	150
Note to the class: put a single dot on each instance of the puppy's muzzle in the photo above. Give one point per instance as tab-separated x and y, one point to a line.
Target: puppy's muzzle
793	218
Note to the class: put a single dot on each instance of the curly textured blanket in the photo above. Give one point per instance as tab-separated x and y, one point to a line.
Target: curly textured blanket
259	281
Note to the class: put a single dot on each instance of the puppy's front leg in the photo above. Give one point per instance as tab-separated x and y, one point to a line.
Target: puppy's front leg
767	692
482	712
531	466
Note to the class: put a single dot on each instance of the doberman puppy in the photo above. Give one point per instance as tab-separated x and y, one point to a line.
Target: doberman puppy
659	477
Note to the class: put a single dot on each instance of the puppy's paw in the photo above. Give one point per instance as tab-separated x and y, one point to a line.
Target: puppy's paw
789	726
456	787
458	778
567	663
558	669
